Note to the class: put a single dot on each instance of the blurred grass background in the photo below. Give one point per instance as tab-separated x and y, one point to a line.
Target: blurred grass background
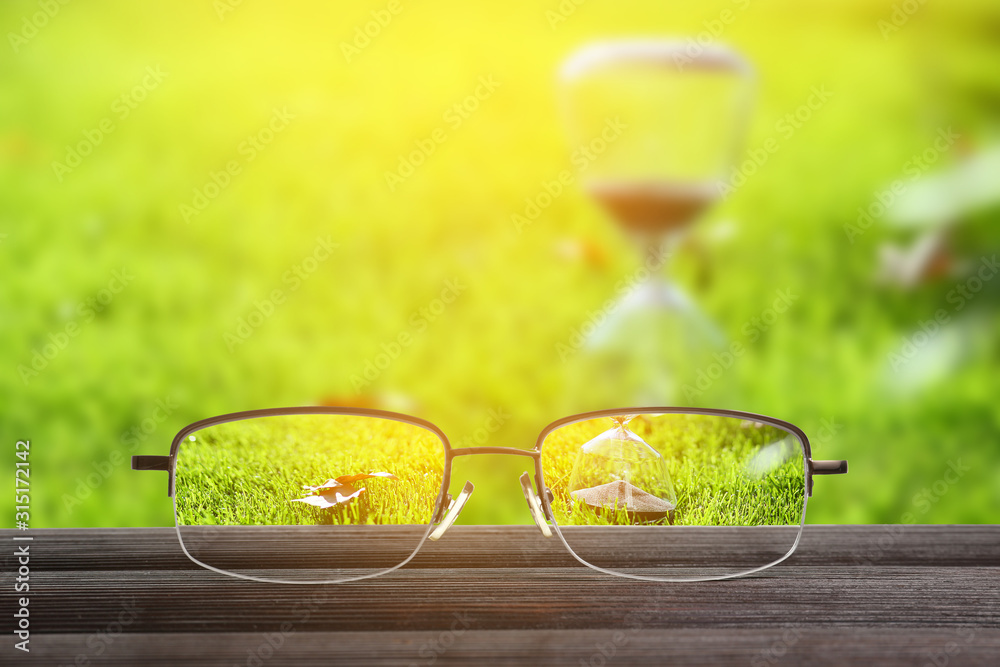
824	365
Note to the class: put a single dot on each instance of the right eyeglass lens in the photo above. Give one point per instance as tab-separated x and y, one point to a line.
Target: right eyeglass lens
307	497
676	496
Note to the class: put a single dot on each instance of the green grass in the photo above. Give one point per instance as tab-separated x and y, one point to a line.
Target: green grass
706	458
823	365
249	472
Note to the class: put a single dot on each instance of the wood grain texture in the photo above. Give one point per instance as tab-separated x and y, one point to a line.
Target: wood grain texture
505	595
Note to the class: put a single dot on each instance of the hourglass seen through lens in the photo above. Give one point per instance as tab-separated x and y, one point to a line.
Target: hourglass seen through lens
618	474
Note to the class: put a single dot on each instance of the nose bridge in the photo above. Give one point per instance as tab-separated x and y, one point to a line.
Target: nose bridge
469	451
454	506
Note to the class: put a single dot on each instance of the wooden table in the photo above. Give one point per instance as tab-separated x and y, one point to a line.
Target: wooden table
923	595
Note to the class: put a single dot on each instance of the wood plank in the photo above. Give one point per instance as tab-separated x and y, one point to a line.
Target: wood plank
628	646
894	595
523	546
511	598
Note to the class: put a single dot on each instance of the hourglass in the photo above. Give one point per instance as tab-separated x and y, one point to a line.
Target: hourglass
680	115
618	475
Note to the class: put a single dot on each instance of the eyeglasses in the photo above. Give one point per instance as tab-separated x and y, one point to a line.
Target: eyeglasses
324	495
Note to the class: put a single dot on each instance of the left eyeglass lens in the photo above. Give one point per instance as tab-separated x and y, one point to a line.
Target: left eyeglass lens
675	496
307	497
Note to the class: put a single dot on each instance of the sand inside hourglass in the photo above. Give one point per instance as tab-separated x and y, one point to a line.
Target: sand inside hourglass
653	207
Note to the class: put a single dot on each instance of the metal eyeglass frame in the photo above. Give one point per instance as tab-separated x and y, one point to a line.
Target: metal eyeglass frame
447	509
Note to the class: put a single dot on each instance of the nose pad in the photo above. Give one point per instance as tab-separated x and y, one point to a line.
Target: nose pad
534	505
454	509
